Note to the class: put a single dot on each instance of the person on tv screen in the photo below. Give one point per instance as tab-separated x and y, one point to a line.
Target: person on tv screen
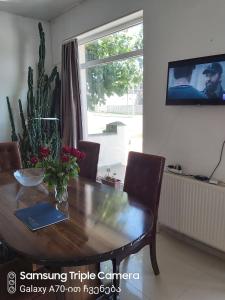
213	86
182	88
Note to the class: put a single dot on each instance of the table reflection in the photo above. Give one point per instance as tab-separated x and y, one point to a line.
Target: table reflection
23	199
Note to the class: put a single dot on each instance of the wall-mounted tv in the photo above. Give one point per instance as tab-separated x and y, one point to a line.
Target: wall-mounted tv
196	81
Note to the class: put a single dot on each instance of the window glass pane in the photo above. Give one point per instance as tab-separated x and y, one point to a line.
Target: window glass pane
114	94
121	42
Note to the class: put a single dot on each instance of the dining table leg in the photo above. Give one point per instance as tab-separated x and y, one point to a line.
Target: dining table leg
116	281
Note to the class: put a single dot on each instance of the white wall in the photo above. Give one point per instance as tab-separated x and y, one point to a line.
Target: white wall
19	40
174	29
89	15
179	29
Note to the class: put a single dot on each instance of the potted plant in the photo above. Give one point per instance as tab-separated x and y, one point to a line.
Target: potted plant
111	180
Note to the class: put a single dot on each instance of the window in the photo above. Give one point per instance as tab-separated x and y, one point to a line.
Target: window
112	92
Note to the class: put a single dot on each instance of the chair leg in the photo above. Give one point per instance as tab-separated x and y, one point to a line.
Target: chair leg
152	246
116	281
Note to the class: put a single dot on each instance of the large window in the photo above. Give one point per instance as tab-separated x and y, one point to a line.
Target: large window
112	91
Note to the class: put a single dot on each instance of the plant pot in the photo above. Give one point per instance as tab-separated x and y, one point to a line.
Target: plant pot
112	182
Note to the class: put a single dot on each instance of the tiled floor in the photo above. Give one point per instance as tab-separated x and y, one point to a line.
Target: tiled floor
186	274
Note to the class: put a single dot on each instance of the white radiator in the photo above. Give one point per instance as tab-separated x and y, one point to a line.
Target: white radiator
194	208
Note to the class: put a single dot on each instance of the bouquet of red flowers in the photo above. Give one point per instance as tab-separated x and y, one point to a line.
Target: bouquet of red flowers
58	172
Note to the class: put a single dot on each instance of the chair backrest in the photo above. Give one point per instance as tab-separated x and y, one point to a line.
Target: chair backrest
9	156
143	179
88	166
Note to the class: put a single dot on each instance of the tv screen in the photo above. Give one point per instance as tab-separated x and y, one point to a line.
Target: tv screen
196	81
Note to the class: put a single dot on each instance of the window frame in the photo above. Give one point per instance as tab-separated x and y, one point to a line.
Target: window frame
110	28
98	33
110	59
113	27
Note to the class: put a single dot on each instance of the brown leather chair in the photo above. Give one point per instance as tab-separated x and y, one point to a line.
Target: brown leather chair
88	166
9	160
9	156
143	180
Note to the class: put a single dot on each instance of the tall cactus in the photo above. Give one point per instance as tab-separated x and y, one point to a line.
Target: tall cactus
30	94
40	104
13	134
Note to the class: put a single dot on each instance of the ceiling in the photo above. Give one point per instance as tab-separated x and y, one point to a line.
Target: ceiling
38	9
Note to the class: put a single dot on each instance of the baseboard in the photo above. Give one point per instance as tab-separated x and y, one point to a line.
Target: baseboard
180	236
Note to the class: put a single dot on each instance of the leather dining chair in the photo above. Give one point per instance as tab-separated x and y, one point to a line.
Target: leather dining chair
9	156
88	165
9	160
143	180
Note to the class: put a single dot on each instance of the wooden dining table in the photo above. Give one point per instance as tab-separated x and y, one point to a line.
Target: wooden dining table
103	223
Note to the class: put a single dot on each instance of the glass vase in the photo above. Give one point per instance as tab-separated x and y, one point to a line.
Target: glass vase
61	193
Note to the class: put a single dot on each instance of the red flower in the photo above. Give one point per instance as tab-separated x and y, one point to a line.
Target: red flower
44	151
66	149
65	158
82	155
74	152
78	154
34	160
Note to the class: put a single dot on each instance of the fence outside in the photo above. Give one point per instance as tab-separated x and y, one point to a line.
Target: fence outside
120	109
